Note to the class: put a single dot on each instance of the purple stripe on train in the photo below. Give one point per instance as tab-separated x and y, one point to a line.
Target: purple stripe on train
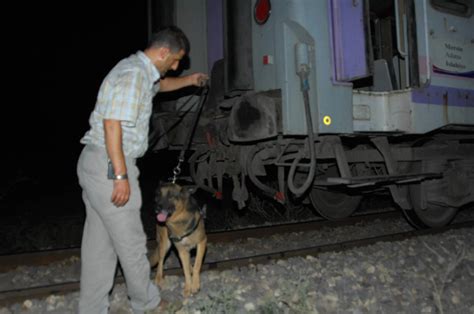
440	95
469	74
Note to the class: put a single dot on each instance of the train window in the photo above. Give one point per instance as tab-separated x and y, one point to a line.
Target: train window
457	7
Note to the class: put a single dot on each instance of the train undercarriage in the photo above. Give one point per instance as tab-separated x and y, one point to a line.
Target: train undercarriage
429	177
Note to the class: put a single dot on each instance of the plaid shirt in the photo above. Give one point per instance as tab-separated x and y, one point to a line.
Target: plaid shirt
126	94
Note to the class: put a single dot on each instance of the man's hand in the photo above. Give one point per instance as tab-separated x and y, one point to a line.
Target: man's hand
168	84
121	193
198	79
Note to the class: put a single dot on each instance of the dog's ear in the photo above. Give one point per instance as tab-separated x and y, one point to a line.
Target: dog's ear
203	210
191	189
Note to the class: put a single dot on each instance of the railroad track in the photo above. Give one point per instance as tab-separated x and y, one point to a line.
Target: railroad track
45	257
18	295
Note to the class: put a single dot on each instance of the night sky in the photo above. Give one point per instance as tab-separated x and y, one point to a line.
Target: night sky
62	51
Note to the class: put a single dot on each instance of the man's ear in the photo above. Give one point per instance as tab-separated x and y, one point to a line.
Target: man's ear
163	53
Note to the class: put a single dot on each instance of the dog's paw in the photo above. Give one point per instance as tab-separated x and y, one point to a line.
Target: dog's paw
159	281
195	288
187	292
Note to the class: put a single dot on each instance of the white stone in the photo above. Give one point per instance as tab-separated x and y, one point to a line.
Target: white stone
239	298
249	306
455	299
27	304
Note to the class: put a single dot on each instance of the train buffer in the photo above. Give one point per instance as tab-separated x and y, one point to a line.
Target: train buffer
366	181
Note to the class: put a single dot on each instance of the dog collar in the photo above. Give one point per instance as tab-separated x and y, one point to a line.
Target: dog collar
174	238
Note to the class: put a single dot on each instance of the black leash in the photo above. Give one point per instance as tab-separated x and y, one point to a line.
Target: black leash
177	169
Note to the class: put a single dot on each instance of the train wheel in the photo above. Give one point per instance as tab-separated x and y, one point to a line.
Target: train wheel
432	215
333	205
430	199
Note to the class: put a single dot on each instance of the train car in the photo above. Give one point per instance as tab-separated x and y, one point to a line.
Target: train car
328	101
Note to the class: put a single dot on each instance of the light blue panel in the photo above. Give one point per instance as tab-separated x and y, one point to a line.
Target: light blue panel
191	18
263	39
438	32
306	21
293	106
435	30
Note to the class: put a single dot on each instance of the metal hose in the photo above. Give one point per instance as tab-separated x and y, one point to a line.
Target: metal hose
303	74
271	192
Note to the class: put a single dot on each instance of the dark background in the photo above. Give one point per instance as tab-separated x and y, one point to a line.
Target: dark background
55	57
77	45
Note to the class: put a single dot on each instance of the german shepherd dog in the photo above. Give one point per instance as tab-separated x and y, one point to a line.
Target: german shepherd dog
180	222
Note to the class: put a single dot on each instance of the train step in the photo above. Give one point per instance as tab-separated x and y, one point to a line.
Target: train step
365	181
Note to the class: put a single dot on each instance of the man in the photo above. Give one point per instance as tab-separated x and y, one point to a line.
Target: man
109	177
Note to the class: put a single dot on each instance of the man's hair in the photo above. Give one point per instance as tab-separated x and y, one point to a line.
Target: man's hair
170	37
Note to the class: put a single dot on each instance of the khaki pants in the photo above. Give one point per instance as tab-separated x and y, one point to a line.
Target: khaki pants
109	233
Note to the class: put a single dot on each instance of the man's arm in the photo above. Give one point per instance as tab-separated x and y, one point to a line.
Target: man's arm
113	143
169	84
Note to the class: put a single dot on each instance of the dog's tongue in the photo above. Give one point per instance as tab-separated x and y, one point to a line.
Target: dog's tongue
162	217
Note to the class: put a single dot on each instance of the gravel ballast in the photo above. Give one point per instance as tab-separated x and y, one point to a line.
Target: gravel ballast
428	274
